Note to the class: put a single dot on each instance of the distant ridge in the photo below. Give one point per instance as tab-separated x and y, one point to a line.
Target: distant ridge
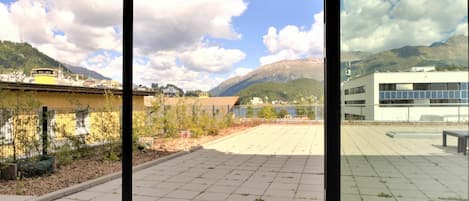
449	55
282	71
23	57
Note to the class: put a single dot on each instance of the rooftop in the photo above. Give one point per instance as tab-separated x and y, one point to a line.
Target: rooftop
18	86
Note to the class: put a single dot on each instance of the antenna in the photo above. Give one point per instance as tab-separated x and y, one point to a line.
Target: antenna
348	70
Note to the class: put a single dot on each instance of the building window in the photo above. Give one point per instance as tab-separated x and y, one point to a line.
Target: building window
421	86
354	117
355	90
6	127
52	124
404	87
438	86
82	122
387	87
355	102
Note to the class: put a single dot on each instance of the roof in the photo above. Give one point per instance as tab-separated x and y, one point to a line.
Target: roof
217	101
18	86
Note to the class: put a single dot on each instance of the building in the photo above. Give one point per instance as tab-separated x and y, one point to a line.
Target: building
256	101
91	113
68	97
44	75
406	96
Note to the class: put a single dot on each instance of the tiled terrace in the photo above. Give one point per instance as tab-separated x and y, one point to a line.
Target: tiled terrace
285	163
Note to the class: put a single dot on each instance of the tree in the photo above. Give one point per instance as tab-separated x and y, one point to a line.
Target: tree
267	112
249	112
282	113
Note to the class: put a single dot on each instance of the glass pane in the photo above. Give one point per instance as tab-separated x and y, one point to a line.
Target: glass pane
60	116
394	149
218	70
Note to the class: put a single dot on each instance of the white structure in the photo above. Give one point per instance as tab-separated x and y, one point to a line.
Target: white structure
406	96
257	101
423	68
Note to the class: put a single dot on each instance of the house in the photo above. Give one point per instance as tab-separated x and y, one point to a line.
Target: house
257	101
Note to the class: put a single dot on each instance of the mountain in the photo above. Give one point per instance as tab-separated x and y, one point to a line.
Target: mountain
444	55
289	91
23	57
282	71
85	71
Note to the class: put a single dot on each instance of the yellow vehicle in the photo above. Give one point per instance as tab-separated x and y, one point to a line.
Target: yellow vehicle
44	75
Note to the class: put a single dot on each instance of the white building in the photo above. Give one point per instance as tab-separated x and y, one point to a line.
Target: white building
406	96
257	101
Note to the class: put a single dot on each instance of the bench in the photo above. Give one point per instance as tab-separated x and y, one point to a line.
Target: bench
463	138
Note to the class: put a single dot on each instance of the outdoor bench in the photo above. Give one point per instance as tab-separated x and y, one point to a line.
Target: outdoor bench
463	138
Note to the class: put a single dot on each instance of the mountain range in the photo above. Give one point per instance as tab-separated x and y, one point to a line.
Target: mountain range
444	55
282	71
23	57
451	54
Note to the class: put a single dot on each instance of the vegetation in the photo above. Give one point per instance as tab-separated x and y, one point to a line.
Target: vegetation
450	56
267	112
291	91
22	57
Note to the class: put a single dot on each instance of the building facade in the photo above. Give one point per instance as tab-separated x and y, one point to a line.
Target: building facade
406	96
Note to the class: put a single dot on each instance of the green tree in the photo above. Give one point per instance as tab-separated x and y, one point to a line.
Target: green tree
282	113
249	112
267	112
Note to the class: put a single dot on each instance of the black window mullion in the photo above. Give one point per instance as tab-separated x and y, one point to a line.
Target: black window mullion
127	101
332	101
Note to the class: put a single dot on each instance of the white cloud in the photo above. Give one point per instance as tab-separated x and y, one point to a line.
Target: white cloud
174	25
168	36
369	25
462	29
293	42
211	59
9	29
241	71
286	54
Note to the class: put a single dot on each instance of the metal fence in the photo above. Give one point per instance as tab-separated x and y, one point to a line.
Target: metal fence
435	112
311	112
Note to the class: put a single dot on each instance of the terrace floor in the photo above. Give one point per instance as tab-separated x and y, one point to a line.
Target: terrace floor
285	163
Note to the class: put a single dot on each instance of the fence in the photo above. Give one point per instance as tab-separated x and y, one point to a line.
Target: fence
25	133
441	112
311	112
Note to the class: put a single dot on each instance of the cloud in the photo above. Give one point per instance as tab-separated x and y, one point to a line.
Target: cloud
241	71
293	42
368	25
174	25
168	36
9	29
212	59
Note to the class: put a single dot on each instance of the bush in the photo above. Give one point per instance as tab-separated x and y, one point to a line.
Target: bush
282	113
267	112
64	155
36	166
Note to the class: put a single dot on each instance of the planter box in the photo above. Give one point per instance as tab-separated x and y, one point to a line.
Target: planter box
8	171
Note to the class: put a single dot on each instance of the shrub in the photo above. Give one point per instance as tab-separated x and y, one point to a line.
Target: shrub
282	113
267	112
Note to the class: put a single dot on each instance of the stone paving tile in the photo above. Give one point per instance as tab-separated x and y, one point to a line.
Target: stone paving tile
278	162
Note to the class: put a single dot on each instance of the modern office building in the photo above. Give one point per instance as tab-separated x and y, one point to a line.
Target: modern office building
406	96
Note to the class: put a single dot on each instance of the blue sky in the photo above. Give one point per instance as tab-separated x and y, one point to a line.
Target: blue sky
262	14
